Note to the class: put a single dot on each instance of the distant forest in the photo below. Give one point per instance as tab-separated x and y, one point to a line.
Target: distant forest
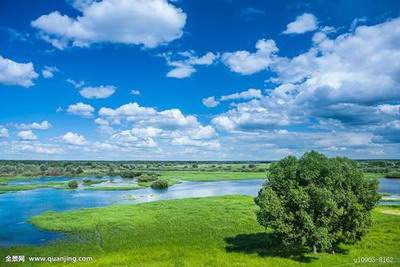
125	168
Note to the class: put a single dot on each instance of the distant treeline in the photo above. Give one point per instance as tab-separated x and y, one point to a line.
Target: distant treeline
77	168
389	168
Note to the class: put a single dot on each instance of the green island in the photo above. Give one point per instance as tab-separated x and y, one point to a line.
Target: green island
213	231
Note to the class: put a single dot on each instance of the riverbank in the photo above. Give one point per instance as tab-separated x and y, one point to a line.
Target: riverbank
212	231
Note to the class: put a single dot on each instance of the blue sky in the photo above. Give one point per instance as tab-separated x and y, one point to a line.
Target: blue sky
199	80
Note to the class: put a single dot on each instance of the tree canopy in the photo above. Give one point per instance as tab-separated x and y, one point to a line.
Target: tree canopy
317	202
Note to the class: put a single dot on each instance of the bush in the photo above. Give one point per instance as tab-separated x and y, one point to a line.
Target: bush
130	174
159	184
317	202
144	178
87	182
73	184
392	175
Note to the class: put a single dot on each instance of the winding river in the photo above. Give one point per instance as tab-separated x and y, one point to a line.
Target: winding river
16	208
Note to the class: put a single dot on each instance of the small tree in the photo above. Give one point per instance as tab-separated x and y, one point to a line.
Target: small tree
316	202
159	184
73	184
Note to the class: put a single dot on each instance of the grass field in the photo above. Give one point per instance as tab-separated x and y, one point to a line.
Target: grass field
215	231
211	176
14	188
373	175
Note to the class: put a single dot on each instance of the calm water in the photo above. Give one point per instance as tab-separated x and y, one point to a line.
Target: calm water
17	207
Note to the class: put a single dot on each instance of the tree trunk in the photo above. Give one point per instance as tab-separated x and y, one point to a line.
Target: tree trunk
314	249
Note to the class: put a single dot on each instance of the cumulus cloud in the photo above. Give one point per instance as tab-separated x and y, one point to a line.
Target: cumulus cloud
44	125
148	23
37	148
27	135
48	72
14	73
134	113
245	62
98	92
155	129
345	80
74	139
248	94
185	67
304	23
210	102
245	95
81	109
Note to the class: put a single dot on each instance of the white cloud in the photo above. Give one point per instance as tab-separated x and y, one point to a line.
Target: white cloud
27	135
101	122
98	92
184	68
210	102
248	94
13	73
224	123
393	110
44	125
245	62
76	84
37	148
48	72
202	132
129	138
345	81
3	132
186	141
135	92
81	109
304	23
127	110
74	139
134	113
149	23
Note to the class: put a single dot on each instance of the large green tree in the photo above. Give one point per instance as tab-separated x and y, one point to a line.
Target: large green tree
317	202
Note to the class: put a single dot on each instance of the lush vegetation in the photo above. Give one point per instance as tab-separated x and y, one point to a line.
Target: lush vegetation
317	202
13	188
73	184
380	167
392	175
128	169
170	170
216	231
159	184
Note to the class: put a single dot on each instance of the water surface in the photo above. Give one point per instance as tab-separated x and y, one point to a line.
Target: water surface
16	208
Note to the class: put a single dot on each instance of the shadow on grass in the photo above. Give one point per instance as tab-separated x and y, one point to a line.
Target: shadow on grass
265	245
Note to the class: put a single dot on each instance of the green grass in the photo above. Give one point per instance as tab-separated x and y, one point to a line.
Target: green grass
214	231
371	175
211	176
14	188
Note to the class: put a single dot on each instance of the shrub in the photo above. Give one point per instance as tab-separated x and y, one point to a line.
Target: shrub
130	174
159	184
392	175
317	202
73	184
87	182
144	178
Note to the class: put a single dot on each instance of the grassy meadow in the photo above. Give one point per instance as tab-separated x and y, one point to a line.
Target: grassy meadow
213	231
